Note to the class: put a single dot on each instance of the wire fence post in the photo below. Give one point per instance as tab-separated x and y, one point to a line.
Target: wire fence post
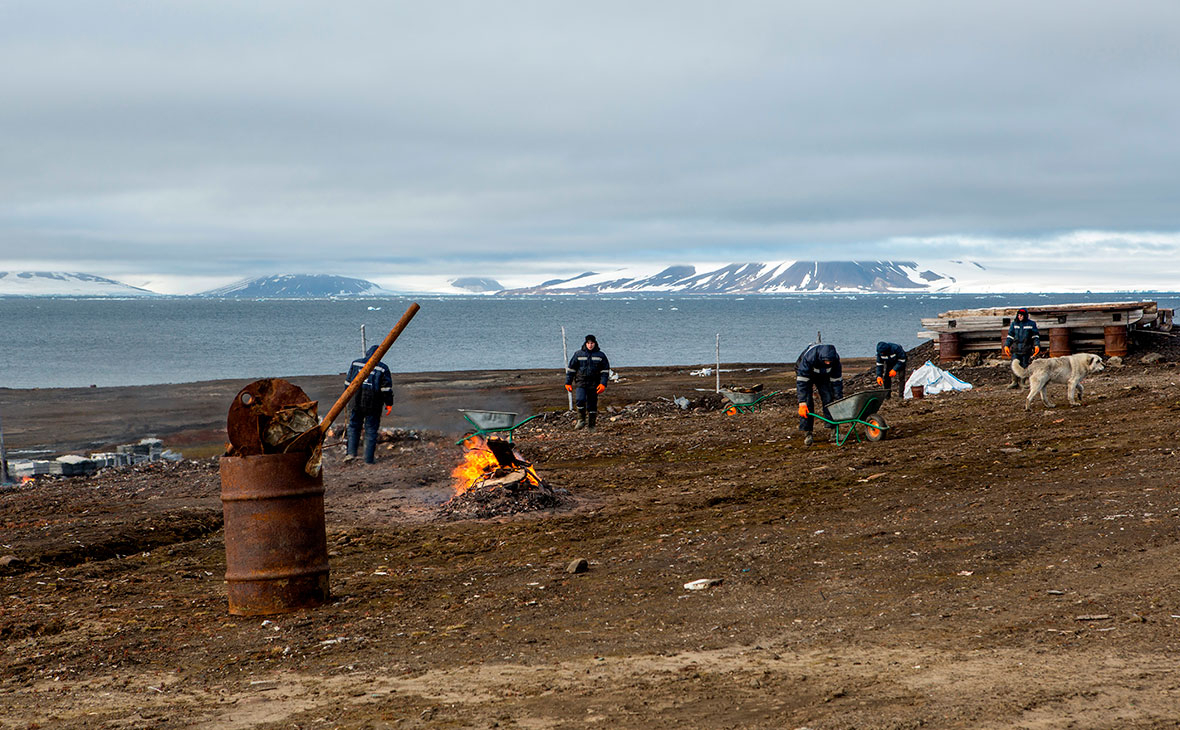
364	342
565	359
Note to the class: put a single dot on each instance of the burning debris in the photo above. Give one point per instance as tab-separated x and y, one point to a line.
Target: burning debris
494	480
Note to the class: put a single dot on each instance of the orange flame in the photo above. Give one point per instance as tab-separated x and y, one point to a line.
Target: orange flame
477	461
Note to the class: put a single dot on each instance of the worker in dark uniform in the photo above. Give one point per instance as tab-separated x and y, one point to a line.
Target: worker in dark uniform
818	365
890	365
375	394
1022	344
586	376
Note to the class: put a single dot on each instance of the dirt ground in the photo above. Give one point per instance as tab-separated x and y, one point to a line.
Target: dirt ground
982	567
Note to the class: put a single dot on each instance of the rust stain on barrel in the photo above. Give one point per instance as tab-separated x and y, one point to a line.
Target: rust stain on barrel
1059	342
1115	340
948	346
276	552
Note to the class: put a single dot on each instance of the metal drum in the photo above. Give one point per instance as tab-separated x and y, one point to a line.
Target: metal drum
276	547
1115	340
948	346
1059	342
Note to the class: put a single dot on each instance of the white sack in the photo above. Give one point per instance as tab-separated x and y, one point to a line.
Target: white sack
933	380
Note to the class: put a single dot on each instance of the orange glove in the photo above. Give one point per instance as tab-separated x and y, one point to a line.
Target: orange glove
1007	352
893	373
1036	350
569	388
600	389
803	413
880	380
388	410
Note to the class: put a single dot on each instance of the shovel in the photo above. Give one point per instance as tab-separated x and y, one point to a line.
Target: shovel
309	439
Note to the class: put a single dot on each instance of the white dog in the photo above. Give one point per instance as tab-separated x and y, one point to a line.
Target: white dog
1068	370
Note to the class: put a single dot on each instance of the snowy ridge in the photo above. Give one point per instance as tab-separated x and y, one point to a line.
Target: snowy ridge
64	284
298	286
777	277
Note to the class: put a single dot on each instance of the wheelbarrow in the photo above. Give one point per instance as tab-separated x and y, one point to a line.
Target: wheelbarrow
743	402
857	409
486	422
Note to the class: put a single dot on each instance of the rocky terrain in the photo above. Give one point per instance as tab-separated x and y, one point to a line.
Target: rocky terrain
982	567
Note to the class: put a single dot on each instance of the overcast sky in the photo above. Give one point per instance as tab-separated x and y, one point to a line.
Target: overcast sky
197	142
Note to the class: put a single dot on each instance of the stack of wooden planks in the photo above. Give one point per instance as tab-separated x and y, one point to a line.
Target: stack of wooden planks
1065	328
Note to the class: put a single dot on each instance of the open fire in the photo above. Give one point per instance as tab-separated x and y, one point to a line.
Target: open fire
493	479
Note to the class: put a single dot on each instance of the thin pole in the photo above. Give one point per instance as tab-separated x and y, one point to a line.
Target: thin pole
718	362
3	458
565	359
818	337
364	342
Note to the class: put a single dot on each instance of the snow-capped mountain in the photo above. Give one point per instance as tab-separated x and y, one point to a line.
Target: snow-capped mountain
770	278
298	286
64	284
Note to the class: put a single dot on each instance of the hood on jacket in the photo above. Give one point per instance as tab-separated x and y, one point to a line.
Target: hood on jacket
826	352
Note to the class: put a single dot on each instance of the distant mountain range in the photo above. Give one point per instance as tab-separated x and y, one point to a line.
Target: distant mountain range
740	278
770	278
298	286
64	284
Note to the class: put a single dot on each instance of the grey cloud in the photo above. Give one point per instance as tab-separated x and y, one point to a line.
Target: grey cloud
266	131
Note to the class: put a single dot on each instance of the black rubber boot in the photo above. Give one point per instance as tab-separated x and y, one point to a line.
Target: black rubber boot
593	420
808	440
581	419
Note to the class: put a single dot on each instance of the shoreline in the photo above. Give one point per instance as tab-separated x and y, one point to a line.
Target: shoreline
192	415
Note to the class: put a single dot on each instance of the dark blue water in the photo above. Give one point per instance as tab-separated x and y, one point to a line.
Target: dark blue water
66	342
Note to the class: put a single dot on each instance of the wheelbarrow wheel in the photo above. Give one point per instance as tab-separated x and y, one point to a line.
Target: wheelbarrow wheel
877	431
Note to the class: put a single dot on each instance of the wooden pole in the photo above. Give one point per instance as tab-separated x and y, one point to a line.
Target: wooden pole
818	337
718	371
565	360
364	341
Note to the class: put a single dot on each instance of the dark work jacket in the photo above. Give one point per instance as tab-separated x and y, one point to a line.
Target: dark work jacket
810	369
379	383
890	356
587	368
1023	336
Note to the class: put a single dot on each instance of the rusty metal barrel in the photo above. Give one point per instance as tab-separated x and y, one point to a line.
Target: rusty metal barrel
1059	342
1115	340
948	346
276	547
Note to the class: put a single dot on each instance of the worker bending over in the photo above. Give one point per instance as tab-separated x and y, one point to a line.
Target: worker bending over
818	365
890	365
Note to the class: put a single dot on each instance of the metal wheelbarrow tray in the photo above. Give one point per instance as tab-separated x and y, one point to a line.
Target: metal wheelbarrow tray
486	422
857	409
743	402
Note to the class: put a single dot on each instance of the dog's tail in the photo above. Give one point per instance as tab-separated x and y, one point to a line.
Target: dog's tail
1019	369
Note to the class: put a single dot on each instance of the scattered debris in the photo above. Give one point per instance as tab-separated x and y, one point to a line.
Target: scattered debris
578	566
702	584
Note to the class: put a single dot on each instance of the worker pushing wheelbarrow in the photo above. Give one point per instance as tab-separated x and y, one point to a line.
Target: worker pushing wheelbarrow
819	367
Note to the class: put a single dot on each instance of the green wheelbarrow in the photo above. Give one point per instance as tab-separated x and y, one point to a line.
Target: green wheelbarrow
486	422
742	402
857	409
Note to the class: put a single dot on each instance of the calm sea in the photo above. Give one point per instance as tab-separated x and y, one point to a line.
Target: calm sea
79	342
